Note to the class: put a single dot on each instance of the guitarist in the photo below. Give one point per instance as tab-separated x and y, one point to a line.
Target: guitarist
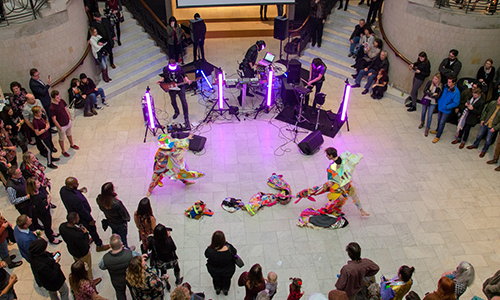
247	66
173	73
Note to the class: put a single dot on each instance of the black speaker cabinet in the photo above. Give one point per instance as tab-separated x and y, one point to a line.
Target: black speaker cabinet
294	67
280	28
311	143
196	144
287	94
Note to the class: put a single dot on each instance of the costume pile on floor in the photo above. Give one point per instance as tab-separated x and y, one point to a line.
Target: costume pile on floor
169	162
338	187
198	210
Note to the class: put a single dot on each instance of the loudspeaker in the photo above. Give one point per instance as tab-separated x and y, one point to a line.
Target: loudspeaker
280	28
199	29
294	67
196	144
311	143
288	96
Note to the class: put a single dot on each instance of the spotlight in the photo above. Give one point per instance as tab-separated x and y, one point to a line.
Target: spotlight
269	88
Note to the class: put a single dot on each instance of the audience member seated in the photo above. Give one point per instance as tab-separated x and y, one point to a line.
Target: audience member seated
490	124
450	66
422	69
4	167
371	70
23	235
356	36
445	290
471	111
81	285
496	156
496	91
78	100
380	85
485	75
7	282
450	98
4	251
99	51
463	277
89	89
399	286
13	124
365	43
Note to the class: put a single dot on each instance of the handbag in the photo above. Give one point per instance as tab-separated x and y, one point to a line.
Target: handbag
163	265
237	259
425	101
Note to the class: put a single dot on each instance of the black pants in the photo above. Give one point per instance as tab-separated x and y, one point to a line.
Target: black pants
47	146
118	31
463	134
26	208
372	13
46	219
182	96
199	44
346	4
247	73
263	7
318	86
120	290
221	282
110	51
93	232
175	52
46	108
378	91
177	272
317	30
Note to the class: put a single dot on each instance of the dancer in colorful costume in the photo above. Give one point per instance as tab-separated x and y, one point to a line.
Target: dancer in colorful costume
338	187
169	162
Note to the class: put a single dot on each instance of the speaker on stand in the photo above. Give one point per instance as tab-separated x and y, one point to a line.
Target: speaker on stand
281	30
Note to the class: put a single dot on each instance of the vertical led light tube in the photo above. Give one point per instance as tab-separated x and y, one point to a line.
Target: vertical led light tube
347	95
269	88
150	110
206	79
221	92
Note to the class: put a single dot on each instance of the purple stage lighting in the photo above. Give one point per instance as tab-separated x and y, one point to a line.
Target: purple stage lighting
347	95
172	67
206	79
221	92
147	96
269	87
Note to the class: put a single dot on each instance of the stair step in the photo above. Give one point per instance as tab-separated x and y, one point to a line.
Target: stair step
129	23
132	31
132	49
132	69
124	63
133	39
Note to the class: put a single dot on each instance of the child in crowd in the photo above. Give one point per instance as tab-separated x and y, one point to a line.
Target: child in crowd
295	286
272	283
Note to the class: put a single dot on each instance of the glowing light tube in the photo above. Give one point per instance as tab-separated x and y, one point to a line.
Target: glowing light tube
205	76
347	95
269	88
150	110
221	92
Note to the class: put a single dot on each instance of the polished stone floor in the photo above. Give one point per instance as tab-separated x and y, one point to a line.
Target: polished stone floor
431	205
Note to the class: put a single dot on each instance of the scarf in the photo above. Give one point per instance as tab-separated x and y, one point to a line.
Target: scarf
461	122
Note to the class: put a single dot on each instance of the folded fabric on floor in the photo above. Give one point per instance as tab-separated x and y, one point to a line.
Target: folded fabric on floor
198	210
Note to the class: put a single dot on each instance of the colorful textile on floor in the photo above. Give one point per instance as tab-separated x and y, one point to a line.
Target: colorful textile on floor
169	161
260	200
198	210
325	217
232	204
277	182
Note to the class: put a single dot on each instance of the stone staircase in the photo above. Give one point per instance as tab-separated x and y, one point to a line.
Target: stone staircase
137	59
335	45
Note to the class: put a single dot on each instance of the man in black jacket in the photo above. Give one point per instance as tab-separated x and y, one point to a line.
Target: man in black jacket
318	19
355	36
247	66
41	92
75	201
450	66
198	36
105	30
77	240
380	62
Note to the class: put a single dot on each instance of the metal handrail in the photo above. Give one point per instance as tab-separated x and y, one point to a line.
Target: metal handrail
19	11
388	43
470	6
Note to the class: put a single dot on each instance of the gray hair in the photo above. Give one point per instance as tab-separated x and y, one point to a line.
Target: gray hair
263	295
465	273
383	51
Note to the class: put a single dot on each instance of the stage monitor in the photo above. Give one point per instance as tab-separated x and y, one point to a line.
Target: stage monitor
206	3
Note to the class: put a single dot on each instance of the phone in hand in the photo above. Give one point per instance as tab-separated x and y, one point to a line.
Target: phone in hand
57	255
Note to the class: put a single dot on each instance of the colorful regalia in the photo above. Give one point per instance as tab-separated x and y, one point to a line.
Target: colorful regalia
169	162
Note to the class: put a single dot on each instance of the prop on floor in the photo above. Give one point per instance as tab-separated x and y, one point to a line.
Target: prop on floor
232	204
198	210
277	182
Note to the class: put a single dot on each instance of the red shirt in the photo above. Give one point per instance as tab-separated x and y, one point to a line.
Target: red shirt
59	111
40	124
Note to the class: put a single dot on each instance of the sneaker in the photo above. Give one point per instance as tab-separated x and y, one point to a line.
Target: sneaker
105	103
75	147
433	131
56	242
56	159
66	154
97	106
435	140
102	248
52	166
412	108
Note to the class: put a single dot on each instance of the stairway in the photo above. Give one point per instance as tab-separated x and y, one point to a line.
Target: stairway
137	59
335	45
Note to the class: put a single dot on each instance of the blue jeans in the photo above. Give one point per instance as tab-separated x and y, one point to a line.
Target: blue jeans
484	130
353	45
94	95
369	80
442	117
360	76
121	230
4	251
104	62
429	110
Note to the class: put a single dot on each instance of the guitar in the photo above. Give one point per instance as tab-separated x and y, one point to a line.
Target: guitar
173	86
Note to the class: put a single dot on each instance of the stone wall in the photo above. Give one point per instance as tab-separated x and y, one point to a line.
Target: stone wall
415	25
52	44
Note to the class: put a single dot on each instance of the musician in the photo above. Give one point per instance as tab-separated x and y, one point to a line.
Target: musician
317	72
247	66
174	73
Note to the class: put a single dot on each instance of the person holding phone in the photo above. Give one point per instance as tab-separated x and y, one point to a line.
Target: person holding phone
422	70
47	270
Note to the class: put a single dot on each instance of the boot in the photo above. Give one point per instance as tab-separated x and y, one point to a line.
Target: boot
426	131
178	278
421	125
105	75
12	264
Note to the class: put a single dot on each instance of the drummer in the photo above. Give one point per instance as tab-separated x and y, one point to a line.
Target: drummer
317	72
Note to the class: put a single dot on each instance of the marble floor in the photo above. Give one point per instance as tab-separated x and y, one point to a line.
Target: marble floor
431	205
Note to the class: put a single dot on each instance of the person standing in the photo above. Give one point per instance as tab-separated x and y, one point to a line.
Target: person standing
352	275
318	19
16	192
317	72
143	281
220	262
115	16
199	40
116	262
41	91
372	12
99	51
253	281
422	69
174	40
145	222
247	66
77	240
263	17
62	119
490	124
105	30
7	282
173	73
163	256
432	93
23	235
75	201
450	66
43	136
28	120
450	98
471	115
82	286
47	270
4	251
116	214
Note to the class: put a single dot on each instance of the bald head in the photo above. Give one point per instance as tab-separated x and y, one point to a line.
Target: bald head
71	183
30	98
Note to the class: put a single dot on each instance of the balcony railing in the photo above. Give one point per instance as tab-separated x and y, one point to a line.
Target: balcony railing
19	11
486	7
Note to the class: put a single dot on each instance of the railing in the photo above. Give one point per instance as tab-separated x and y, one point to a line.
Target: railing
19	11
388	43
79	63
487	7
148	19
303	33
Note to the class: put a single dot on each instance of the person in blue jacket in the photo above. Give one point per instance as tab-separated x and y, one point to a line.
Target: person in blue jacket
450	98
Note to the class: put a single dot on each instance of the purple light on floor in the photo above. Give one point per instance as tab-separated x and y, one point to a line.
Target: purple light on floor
150	110
221	92
347	95
269	87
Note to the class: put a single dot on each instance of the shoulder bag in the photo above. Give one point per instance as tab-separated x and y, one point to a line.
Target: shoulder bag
237	259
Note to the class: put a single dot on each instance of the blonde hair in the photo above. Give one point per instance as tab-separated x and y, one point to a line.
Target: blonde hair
31	186
272	277
180	293
36	109
135	272
27	158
